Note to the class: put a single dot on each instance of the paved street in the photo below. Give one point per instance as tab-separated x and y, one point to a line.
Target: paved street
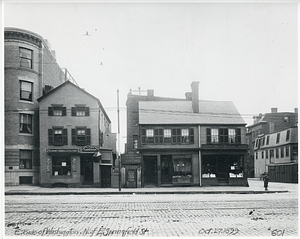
152	215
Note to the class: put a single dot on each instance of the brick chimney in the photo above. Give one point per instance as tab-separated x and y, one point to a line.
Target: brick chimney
188	96
296	110
195	96
273	110
150	94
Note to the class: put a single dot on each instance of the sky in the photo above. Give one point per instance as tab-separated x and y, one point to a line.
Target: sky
246	53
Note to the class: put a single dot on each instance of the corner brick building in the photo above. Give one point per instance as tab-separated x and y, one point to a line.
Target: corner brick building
30	68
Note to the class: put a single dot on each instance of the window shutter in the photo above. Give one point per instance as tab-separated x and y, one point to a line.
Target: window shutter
73	111
156	136
50	111
50	136
143	136
191	133
174	136
226	135
65	136
208	135
238	135
178	138
64	111
87	111
88	136
74	136
161	138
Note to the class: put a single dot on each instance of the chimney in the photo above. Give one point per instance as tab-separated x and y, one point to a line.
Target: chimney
195	96
150	94
188	96
296	110
273	110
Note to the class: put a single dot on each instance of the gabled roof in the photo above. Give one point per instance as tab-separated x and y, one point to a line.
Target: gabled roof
80	89
181	112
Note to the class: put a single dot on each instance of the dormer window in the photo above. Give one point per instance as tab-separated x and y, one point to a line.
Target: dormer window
80	111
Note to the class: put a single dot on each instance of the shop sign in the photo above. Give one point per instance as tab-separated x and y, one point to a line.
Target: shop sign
62	150
90	148
131	160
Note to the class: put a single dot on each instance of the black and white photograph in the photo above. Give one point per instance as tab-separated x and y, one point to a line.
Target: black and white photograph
149	118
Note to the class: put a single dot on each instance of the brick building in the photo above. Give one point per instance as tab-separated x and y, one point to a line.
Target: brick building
30	68
77	147
173	142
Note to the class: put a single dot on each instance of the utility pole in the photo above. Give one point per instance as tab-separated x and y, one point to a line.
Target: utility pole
119	155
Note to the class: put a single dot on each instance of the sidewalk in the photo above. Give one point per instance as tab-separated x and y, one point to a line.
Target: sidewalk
255	187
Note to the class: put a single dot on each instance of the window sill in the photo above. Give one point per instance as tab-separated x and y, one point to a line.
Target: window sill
25	101
24	134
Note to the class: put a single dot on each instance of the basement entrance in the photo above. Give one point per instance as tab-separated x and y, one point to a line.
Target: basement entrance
87	170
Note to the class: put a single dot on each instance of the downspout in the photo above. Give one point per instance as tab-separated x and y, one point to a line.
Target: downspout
199	157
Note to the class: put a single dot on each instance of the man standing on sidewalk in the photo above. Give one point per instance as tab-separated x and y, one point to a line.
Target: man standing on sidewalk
266	181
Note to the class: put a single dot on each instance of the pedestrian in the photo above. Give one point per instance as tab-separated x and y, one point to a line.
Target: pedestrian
266	181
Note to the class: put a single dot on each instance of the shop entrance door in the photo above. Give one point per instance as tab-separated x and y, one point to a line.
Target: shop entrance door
150	171
223	170
105	176
87	170
166	169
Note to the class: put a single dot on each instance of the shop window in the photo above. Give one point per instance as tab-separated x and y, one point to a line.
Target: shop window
167	136
57	111
61	166
25	58
81	136
287	151
25	159
81	111
182	166
25	124
288	135
158	136
236	167
282	152
25	180
26	90
58	136
209	167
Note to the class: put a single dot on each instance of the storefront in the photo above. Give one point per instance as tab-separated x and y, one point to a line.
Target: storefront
88	166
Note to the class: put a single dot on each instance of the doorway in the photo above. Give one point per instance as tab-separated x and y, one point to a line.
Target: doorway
150	171
223	171
87	170
166	169
105	176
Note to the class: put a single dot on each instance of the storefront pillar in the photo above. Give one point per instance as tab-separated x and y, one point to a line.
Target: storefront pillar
96	171
158	171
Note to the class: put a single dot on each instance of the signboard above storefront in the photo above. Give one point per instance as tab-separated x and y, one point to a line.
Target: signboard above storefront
62	150
90	148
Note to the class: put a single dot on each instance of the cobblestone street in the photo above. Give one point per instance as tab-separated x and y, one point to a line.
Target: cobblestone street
152	215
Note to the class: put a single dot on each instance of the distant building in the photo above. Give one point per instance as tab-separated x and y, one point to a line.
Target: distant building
177	142
30	69
266	124
277	155
77	147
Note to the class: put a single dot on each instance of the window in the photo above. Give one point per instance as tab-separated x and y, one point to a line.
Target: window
223	135
231	135
256	155
81	111
81	136
26	90
282	152
277	152
135	141
57	111
25	159
286	119
287	151
25	58
187	136
272	153
263	141
278	138
268	140
267	154
58	136
214	136
167	135
25	124
149	136
288	135
61	166
158	136
182	166
262	154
